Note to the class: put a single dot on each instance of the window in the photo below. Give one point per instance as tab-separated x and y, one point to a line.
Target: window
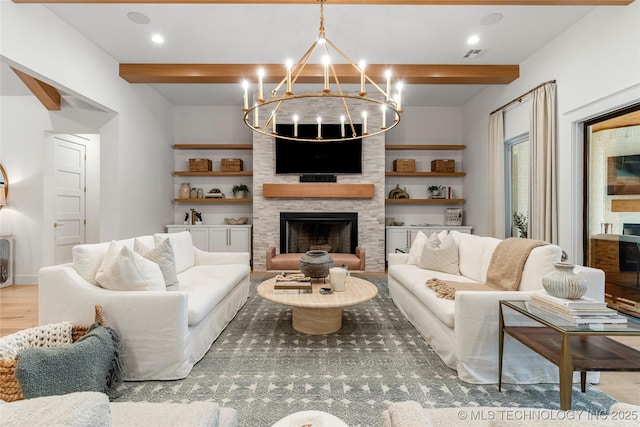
517	185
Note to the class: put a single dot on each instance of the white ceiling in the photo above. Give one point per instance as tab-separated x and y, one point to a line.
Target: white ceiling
225	33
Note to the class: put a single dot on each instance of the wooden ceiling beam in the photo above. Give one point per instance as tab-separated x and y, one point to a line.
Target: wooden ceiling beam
46	94
312	73
362	2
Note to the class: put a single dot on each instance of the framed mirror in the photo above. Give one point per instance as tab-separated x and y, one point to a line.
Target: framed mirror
4	186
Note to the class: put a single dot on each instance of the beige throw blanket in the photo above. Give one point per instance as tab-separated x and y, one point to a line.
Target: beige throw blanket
504	272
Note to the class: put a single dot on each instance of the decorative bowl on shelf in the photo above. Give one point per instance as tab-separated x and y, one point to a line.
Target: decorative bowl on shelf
398	223
236	221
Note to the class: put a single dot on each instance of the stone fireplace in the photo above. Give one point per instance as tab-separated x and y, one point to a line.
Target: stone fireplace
335	232
369	210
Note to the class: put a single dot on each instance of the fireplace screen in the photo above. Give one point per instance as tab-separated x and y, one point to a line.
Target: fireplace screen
334	232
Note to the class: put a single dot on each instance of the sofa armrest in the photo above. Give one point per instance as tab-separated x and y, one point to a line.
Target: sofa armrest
152	325
397	258
362	256
595	281
271	252
218	258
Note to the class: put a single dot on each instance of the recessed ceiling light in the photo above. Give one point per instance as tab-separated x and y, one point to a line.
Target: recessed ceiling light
138	18
473	39
492	19
157	38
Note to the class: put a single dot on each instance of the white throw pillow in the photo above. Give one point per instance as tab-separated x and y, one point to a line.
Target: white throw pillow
162	255
418	246
182	248
129	271
442	258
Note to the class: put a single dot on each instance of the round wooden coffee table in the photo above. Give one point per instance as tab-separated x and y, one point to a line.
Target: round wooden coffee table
318	314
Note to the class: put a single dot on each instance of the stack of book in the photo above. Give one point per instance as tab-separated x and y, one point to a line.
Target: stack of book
580	311
294	284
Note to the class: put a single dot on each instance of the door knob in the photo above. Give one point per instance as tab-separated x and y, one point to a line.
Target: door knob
55	224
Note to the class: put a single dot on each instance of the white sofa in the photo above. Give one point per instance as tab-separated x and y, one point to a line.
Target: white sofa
90	408
163	333
464	331
412	414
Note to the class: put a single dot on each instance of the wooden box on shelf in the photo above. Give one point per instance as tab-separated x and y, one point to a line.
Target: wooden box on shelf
200	165
404	165
443	165
231	165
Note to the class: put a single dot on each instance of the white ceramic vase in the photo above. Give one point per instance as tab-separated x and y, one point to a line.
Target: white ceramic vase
564	283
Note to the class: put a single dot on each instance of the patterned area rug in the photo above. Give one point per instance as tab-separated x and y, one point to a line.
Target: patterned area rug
266	370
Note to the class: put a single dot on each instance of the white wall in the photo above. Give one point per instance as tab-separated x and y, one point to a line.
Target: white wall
135	129
596	59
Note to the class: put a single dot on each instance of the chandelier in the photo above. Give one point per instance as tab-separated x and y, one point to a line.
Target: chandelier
263	115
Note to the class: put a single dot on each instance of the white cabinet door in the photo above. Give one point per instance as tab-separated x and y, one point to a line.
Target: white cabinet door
199	236
219	239
239	240
397	238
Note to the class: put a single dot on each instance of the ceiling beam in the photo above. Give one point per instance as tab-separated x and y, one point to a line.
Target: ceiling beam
363	2
313	73
46	94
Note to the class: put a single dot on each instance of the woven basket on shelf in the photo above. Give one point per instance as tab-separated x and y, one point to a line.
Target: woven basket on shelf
9	387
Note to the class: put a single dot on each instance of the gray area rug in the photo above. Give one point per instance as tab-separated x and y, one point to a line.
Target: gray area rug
266	370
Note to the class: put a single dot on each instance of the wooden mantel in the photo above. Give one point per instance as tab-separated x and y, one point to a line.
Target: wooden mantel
319	190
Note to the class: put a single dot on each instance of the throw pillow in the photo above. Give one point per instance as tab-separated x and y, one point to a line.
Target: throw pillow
129	271
443	258
162	255
415	253
90	364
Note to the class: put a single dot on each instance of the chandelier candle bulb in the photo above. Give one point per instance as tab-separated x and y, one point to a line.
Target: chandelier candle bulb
245	95
289	65
260	92
326	61
273	121
387	74
342	126
364	123
255	116
319	127
295	125
399	97
362	79
383	108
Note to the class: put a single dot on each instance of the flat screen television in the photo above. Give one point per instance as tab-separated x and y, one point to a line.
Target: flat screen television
317	157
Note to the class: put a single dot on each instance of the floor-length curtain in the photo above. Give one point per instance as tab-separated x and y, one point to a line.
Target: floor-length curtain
496	176
543	218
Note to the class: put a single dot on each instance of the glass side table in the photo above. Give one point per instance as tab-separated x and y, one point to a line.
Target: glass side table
569	346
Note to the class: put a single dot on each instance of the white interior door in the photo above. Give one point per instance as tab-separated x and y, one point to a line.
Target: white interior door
70	191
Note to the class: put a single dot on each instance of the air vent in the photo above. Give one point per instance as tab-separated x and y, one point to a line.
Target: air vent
474	53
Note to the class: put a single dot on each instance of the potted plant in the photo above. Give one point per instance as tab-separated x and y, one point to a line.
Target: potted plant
240	191
520	222
435	190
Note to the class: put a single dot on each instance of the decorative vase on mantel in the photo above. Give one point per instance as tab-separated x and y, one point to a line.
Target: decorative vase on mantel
564	283
316	264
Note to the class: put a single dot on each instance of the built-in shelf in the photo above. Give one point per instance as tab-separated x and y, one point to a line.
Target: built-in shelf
212	173
424	147
213	146
418	174
320	190
214	200
408	201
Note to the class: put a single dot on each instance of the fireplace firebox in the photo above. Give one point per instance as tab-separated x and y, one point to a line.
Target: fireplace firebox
335	232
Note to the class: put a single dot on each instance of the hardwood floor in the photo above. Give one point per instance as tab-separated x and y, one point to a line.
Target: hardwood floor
19	310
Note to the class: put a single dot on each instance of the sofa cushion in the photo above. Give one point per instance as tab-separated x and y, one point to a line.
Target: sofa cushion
124	270
414	280
539	263
474	254
87	258
162	255
71	410
440	256
182	245
207	285
415	253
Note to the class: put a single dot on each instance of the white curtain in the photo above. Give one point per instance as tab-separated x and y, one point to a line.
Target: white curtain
496	176
543	218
